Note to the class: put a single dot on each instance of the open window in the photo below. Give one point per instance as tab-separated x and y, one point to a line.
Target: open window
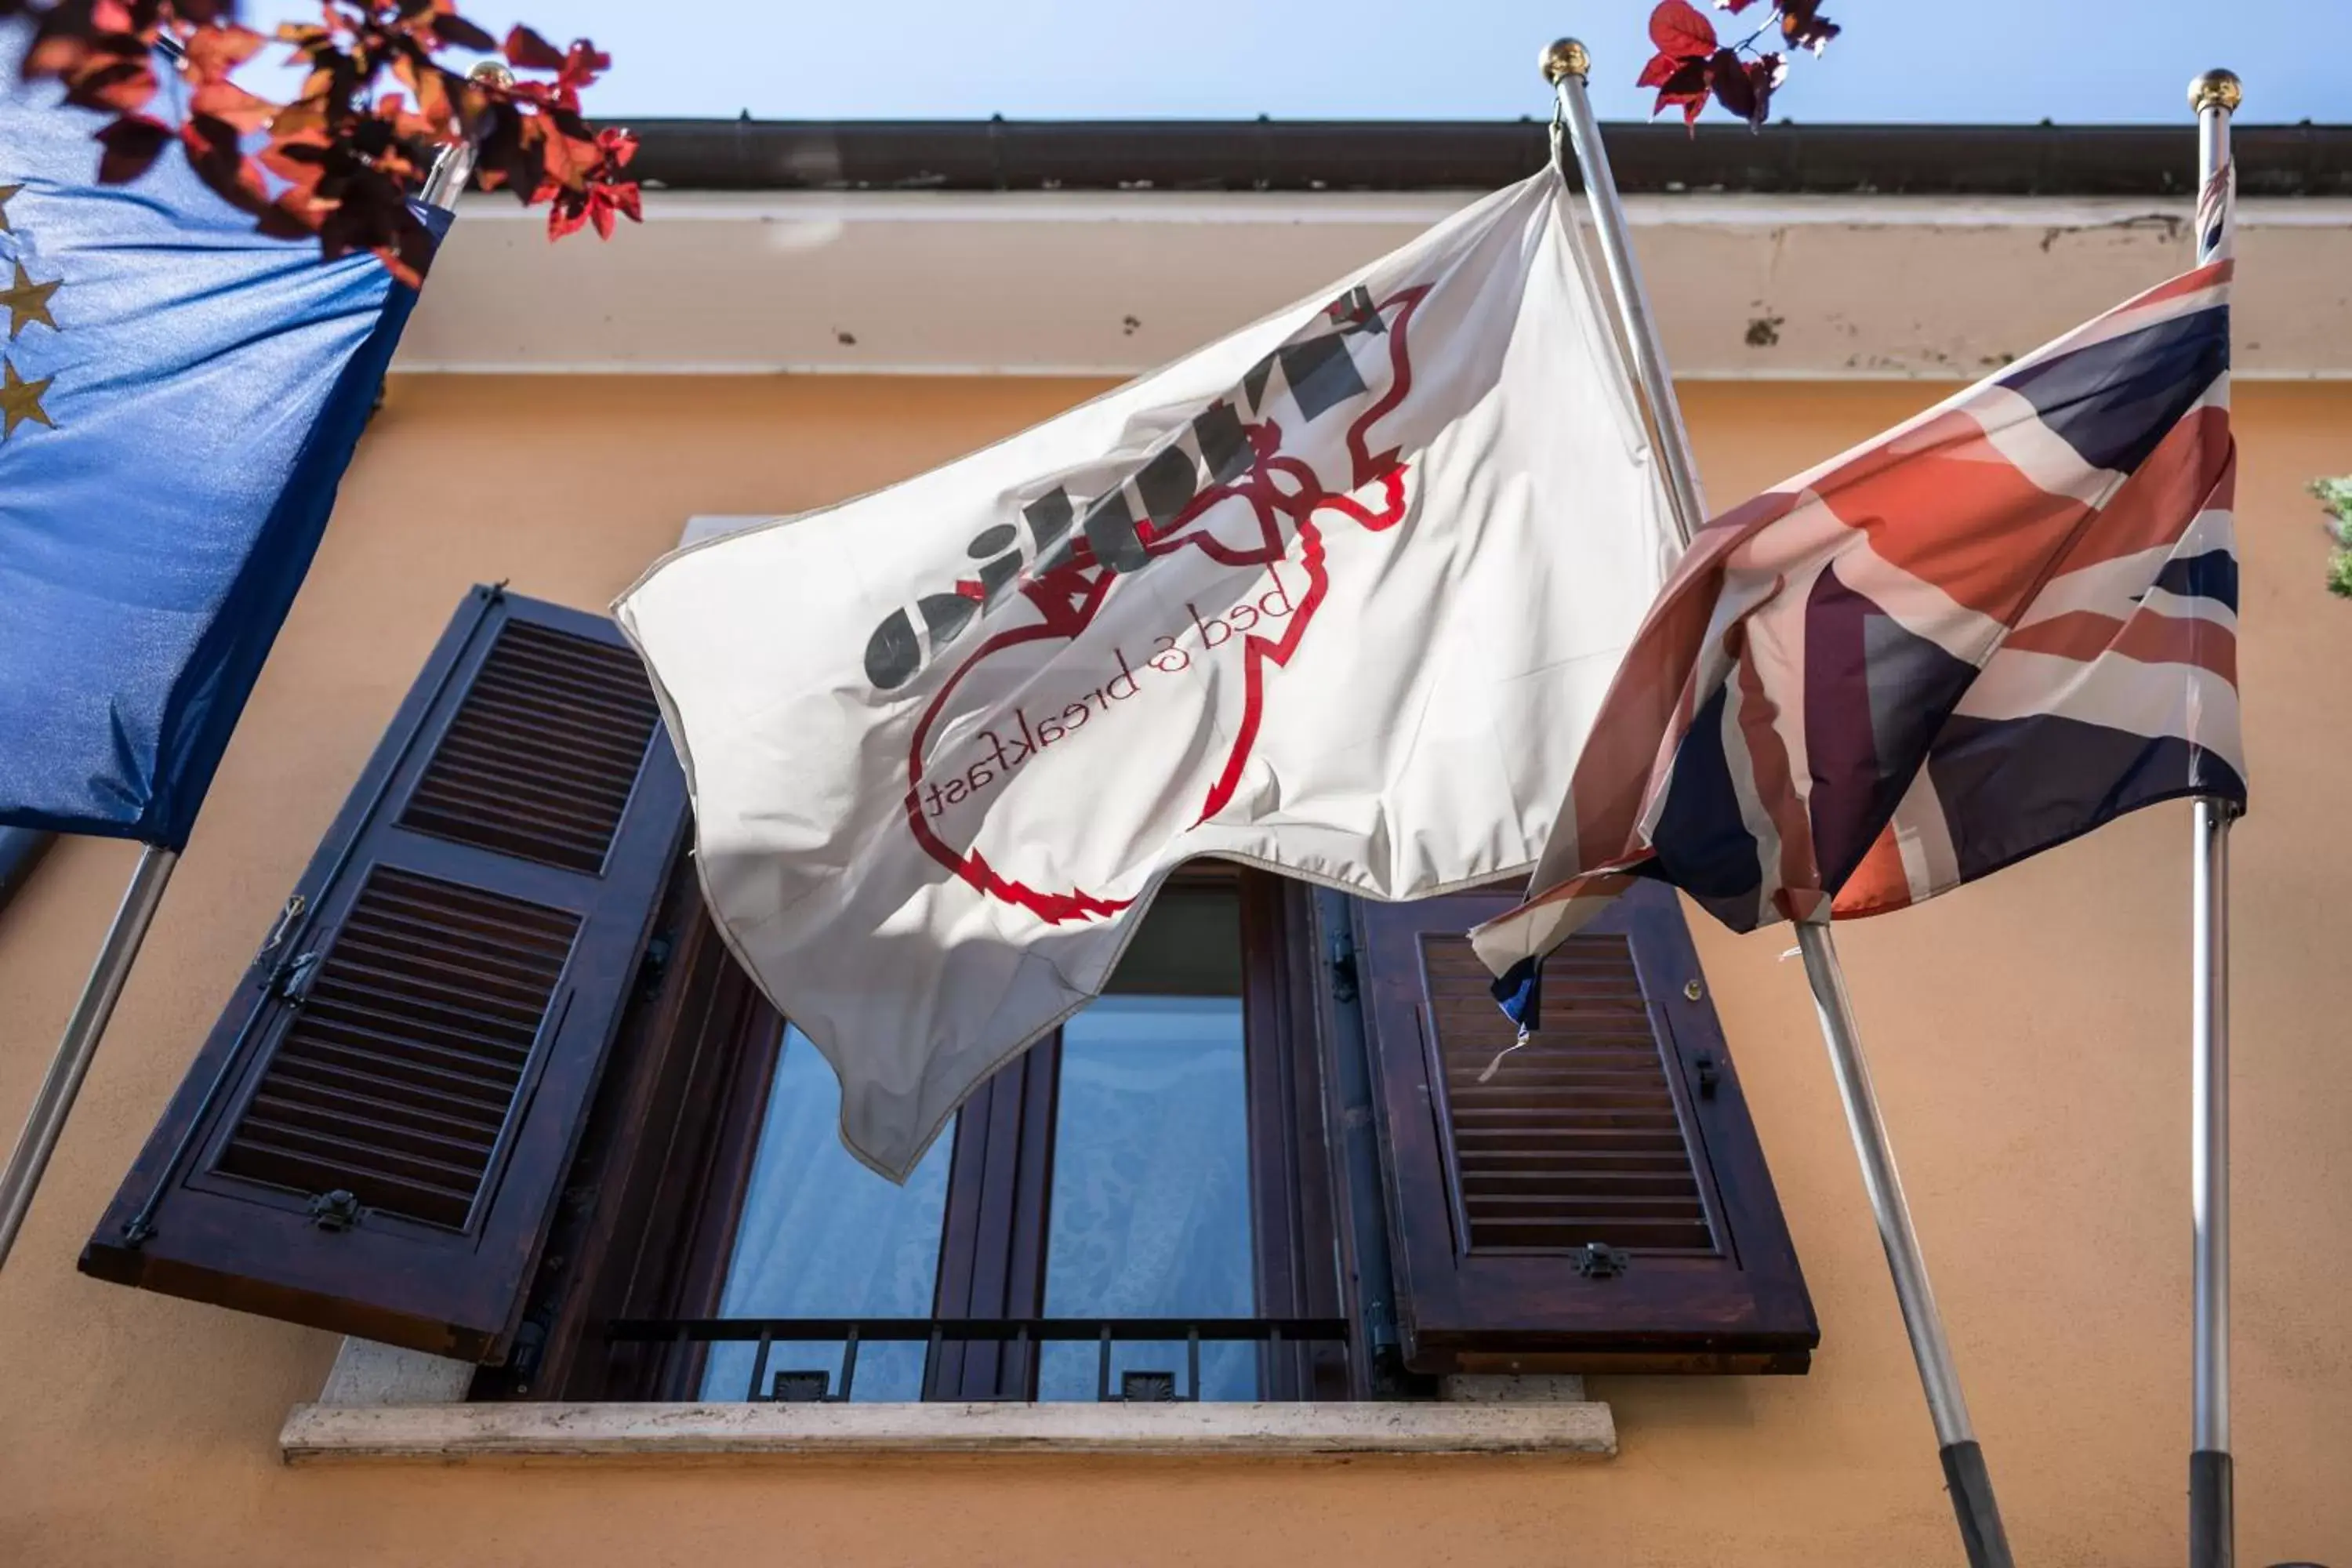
1137	1206
495	1090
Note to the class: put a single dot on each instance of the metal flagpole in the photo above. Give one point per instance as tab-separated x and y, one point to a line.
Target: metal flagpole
1566	65
2212	1531
455	164
38	1141
30	1158
1964	1468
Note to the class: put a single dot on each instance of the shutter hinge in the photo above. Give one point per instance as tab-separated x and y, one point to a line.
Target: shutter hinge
1599	1260
1343	964
334	1212
654	965
290	981
1710	1077
286	981
1389	1377
529	1348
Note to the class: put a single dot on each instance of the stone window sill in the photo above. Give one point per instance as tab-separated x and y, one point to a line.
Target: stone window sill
460	1434
386	1405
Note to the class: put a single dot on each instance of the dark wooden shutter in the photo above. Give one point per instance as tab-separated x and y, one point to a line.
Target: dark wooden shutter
1595	1199
373	1138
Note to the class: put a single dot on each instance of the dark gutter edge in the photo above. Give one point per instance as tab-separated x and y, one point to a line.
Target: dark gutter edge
1390	155
21	850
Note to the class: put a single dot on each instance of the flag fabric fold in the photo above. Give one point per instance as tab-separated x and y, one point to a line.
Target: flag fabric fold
1986	632
179	397
1298	600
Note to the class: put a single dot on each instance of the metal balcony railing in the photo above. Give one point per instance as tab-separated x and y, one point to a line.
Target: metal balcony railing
820	1385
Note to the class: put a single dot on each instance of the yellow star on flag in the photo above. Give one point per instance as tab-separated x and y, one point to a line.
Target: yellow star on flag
21	400
6	192
28	301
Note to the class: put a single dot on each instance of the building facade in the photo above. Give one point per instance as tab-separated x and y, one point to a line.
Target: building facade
810	313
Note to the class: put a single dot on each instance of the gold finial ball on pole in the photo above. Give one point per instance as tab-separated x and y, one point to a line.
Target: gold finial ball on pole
1566	57
492	73
2217	89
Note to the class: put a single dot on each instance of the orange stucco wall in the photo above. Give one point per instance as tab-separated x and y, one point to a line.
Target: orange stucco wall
2028	1035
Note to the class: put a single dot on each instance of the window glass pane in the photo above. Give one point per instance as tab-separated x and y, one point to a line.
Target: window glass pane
822	1236
1151	1214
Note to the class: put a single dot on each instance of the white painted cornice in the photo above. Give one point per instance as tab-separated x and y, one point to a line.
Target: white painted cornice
1111	283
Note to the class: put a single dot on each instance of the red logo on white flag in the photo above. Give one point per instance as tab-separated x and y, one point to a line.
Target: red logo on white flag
1138	677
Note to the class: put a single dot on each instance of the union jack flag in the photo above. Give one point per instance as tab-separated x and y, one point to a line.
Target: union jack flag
1992	628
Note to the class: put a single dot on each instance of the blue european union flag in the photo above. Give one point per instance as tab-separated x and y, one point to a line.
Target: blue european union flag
179	397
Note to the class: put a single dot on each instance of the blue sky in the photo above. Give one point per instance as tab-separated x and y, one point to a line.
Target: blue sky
2074	61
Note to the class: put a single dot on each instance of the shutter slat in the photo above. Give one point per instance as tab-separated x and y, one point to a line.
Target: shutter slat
410	1025
556	777
509	693
345	1150
543	794
404	1060
1486	1163
485	1004
1507	1184
299	1087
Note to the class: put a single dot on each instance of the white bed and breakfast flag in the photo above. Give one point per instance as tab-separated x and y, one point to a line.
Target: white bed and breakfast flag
1339	595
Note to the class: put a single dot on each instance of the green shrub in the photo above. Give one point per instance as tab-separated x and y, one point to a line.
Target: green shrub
2335	495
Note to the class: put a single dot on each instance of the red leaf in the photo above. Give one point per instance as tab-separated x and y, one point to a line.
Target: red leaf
431	85
1802	26
510	152
582	65
565	215
455	30
526	50
213	149
1765	73
124	87
1733	6
224	100
1688	86
213	52
132	144
1655	73
1733	89
618	147
1681	29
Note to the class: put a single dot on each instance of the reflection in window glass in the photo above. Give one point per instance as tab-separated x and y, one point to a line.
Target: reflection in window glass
1150	1212
822	1236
